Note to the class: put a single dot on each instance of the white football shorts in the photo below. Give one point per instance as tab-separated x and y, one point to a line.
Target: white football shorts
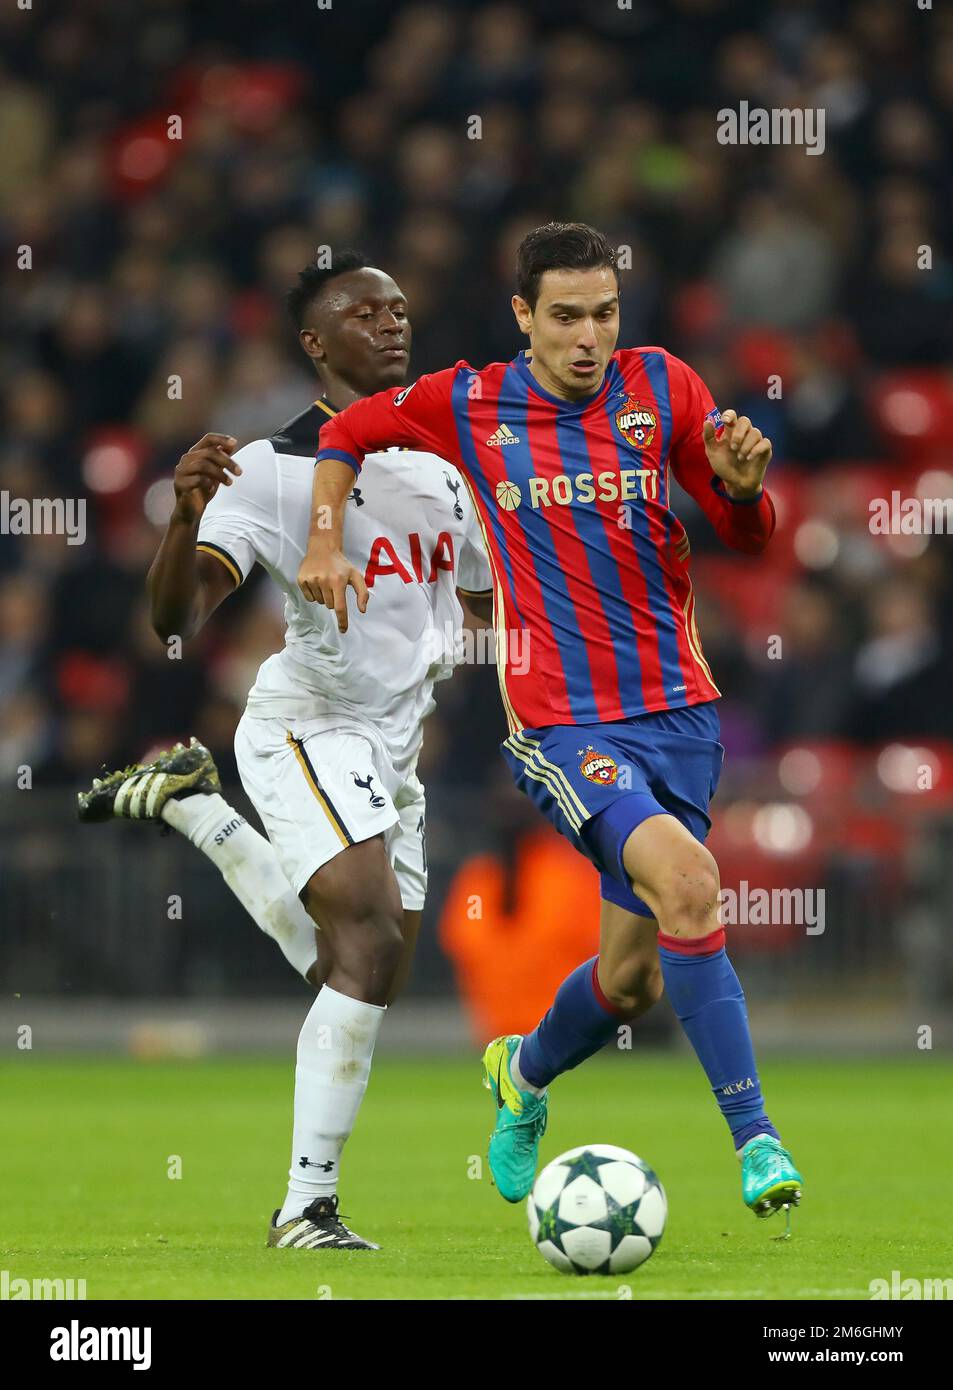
319	789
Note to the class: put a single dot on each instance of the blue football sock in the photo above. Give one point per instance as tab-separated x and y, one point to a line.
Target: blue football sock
707	997
578	1024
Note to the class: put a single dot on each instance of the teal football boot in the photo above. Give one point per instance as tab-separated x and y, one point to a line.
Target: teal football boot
769	1179
520	1123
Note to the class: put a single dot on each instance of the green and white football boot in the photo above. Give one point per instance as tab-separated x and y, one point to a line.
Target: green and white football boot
520	1123
769	1179
139	792
319	1227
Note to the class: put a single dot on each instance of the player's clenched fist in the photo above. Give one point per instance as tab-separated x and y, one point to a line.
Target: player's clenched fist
738	452
325	576
199	474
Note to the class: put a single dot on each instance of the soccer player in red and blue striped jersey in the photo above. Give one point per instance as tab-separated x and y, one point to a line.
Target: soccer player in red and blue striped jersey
568	452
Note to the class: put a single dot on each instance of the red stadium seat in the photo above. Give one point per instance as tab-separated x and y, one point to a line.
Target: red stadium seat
912	410
761	353
819	772
698	310
841	494
789	491
883	837
764	852
914	776
88	682
751	597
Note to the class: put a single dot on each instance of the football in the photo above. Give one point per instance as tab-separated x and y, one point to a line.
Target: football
597	1209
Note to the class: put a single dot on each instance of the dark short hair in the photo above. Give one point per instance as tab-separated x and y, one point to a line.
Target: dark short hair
560	246
313	279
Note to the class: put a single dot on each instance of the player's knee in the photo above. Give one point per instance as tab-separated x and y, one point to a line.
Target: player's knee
375	935
363	925
368	947
687	891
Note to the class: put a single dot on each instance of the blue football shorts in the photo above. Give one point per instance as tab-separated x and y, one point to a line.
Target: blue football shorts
597	782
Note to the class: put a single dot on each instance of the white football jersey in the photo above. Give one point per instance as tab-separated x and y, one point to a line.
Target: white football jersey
410	528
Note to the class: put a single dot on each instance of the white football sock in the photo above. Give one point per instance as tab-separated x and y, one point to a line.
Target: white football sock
250	867
519	1080
335	1048
739	1152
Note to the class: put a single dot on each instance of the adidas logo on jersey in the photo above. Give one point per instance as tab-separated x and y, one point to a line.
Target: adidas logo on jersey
504	435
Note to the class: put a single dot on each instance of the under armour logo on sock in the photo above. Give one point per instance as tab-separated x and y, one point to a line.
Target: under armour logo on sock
325	1167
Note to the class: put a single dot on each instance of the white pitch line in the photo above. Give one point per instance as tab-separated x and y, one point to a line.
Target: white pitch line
611	1295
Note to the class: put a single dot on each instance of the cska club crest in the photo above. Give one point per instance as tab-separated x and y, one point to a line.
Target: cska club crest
598	767
636	423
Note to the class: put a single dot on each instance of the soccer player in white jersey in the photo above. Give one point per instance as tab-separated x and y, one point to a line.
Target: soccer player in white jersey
328	745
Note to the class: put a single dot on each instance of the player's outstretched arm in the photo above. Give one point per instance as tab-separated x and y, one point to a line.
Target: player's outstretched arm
326	574
185	587
720	460
418	416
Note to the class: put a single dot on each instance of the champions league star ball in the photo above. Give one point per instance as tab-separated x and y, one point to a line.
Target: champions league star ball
597	1210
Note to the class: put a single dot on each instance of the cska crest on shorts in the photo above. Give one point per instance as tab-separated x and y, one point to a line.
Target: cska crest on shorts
598	767
636	423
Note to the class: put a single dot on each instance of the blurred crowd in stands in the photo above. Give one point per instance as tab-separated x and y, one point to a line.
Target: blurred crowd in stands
814	292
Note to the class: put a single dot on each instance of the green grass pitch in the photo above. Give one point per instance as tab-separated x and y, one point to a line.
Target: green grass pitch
85	1191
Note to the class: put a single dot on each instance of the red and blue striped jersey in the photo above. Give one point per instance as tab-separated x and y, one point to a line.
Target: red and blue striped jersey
593	603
